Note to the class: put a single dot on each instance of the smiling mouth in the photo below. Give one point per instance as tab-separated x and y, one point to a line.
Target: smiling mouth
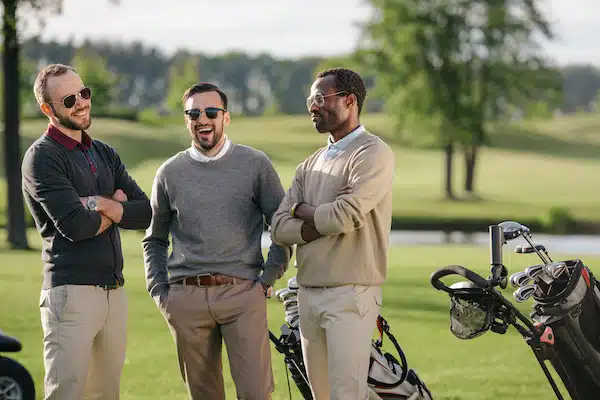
204	131
81	113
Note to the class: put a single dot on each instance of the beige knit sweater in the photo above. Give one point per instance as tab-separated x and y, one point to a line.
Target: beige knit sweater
355	226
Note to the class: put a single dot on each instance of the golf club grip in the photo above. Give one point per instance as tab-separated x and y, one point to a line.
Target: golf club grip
455	270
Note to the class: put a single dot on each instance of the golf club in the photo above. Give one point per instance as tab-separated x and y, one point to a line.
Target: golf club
556	269
513	230
519	279
525	292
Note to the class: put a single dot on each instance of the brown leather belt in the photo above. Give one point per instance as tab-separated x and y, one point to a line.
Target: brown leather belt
210	280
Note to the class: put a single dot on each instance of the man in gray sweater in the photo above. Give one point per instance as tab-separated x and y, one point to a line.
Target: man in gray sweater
211	200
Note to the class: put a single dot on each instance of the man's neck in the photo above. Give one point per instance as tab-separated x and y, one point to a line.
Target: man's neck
345	131
214	151
72	133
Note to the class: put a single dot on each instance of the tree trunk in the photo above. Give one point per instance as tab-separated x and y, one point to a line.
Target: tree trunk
17	237
449	151
470	159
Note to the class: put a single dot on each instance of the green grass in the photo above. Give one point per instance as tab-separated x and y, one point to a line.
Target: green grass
490	367
527	169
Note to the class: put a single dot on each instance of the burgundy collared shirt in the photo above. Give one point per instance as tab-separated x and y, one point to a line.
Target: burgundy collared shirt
57	172
71	144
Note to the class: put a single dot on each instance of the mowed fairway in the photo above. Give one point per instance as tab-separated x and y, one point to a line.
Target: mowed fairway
486	368
529	167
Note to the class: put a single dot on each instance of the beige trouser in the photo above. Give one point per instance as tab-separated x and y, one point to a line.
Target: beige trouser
201	318
84	341
336	326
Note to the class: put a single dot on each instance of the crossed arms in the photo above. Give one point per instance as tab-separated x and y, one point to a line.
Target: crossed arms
46	182
370	177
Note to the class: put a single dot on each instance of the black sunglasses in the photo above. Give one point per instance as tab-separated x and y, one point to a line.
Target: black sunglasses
211	113
70	100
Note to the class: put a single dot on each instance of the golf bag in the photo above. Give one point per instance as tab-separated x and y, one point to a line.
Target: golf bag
564	328
570	318
388	377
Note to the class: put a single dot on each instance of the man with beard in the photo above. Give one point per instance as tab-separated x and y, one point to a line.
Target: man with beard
211	199
338	212
79	194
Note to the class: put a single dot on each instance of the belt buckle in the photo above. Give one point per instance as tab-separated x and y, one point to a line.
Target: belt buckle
198	279
111	287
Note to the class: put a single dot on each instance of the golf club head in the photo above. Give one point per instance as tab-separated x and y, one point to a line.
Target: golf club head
512	230
534	271
293	284
556	269
527	249
285	293
519	279
525	292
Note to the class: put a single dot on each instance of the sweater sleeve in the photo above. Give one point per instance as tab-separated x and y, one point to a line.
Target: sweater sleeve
270	195
286	230
136	210
371	174
46	181
156	241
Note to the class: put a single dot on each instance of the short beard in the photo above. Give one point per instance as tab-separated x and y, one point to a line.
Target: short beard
70	124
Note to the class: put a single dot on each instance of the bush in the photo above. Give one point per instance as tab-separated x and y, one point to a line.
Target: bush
558	220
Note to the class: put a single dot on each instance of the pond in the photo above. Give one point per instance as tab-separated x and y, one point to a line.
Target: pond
572	244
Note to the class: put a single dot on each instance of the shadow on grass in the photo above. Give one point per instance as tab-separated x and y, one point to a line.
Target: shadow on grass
522	139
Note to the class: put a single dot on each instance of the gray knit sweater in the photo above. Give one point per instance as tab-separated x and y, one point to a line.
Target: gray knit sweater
213	212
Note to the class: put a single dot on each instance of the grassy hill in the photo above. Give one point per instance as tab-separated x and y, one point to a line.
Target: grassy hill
528	169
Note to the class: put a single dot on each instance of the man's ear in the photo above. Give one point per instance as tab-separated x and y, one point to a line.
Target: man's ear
46	109
351	99
226	118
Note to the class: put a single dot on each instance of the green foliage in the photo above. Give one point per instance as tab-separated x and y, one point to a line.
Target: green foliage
182	75
95	74
558	220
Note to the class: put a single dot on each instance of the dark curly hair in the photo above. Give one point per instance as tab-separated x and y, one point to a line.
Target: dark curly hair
348	81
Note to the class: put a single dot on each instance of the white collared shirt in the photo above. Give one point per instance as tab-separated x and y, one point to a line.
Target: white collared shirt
335	148
198	156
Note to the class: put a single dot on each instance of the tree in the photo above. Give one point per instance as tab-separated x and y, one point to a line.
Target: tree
447	65
94	72
16	228
183	73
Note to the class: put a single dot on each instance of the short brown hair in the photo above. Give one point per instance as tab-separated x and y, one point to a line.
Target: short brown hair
203	88
40	86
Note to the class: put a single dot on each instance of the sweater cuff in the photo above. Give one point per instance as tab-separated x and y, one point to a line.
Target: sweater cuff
292	233
322	221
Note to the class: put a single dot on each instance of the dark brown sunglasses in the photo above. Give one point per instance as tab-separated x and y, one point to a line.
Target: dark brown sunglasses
70	100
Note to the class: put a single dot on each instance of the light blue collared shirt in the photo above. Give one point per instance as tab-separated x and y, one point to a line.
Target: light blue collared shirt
336	148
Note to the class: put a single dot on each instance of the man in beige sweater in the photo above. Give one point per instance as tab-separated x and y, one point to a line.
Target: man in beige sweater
338	213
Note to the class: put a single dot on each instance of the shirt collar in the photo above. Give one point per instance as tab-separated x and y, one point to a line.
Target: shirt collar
198	156
345	141
68	142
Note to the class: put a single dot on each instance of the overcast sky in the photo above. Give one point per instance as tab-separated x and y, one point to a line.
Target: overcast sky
284	28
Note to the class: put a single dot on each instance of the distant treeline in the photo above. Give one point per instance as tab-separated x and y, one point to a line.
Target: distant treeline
144	77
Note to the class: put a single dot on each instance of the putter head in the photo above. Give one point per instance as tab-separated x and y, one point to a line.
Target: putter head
512	230
519	279
527	249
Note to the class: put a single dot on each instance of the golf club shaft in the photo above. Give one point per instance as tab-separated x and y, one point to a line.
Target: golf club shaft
539	253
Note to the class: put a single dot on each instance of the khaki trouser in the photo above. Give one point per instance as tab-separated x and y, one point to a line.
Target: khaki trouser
84	341
201	318
336	326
